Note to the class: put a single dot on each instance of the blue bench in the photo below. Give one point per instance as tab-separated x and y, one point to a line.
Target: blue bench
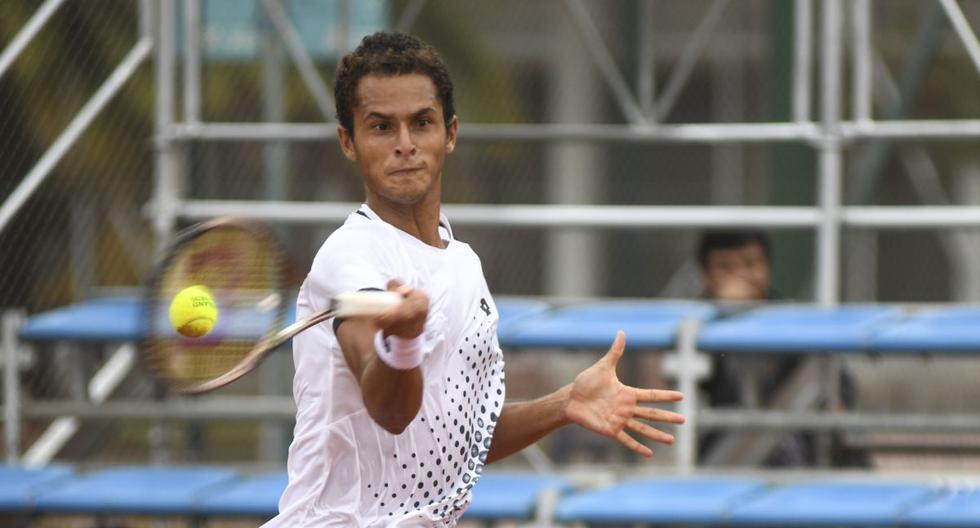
954	508
647	324
134	491
120	319
511	496
117	319
20	486
831	504
662	501
498	496
797	329
938	330
253	497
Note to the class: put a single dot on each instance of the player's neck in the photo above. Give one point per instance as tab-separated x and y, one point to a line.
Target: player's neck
421	220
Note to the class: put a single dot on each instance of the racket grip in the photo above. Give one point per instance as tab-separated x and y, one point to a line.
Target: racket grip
365	303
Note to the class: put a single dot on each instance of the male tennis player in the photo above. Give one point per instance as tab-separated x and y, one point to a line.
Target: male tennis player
396	416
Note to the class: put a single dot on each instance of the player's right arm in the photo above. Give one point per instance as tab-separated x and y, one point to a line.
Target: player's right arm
392	396
360	256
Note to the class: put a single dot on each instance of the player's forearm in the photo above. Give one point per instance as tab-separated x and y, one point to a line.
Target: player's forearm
392	397
524	423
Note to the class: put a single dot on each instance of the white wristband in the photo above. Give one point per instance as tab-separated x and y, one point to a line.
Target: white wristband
398	353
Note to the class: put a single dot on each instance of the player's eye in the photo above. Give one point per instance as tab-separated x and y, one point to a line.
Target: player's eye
423	122
381	127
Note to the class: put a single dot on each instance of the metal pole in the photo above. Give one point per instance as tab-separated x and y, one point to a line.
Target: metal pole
861	84
73	131
27	33
962	27
192	61
828	234
166	191
689	57
646	68
801	63
567	215
12	321
687	434
571	132
304	64
604	60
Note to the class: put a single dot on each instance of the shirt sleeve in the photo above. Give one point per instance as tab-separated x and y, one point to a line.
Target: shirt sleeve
352	260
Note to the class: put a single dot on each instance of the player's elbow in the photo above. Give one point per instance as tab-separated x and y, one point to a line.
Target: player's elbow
394	423
394	414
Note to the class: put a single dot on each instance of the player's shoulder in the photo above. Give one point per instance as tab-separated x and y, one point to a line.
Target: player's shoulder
358	239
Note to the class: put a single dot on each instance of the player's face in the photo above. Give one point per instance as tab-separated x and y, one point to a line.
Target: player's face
737	274
400	140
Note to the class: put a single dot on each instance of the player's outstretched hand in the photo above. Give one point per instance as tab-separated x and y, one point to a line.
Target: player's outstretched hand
407	319
601	403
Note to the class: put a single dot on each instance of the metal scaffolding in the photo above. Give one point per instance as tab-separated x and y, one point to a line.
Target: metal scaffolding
643	112
827	134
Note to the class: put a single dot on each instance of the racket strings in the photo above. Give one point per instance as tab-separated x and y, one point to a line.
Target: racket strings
243	270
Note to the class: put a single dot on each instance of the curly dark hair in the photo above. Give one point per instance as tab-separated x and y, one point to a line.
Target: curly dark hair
730	239
392	53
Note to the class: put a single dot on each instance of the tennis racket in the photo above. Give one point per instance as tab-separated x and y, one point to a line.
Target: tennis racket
244	268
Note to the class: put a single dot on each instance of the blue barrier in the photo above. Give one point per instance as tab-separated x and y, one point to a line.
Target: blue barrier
667	500
954	329
204	492
831	504
20	486
511	496
652	324
135	491
959	509
120	319
797	329
530	323
253	497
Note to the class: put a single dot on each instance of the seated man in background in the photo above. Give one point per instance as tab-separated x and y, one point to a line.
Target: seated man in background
735	269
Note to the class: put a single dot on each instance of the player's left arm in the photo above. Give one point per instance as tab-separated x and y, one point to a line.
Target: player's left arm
596	400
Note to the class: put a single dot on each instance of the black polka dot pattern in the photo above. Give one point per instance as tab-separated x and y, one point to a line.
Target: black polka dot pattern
456	431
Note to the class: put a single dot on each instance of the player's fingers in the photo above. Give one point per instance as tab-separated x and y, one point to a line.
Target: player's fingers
657	395
633	445
616	350
658	415
394	285
650	432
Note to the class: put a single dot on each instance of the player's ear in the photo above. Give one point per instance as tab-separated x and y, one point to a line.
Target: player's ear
346	143
451	135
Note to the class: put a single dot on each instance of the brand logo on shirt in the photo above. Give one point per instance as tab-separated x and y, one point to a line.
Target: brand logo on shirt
485	306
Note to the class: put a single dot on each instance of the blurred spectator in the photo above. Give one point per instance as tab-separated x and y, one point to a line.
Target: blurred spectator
735	270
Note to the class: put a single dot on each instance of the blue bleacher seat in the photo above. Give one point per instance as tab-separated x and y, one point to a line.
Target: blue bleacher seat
253	497
115	319
511	496
134	490
830	504
664	500
958	509
647	324
107	320
942	330
20	485
797	329
513	310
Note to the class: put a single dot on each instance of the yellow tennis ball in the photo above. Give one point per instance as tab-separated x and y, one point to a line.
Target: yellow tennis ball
193	312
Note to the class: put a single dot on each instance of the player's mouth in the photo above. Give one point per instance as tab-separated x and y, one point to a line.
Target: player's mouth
405	171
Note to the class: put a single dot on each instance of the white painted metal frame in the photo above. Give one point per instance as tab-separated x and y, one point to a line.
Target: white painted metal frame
643	110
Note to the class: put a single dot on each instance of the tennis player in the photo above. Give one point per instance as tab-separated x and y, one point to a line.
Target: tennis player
397	416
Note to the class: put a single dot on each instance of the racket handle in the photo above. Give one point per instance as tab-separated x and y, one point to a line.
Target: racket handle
365	303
